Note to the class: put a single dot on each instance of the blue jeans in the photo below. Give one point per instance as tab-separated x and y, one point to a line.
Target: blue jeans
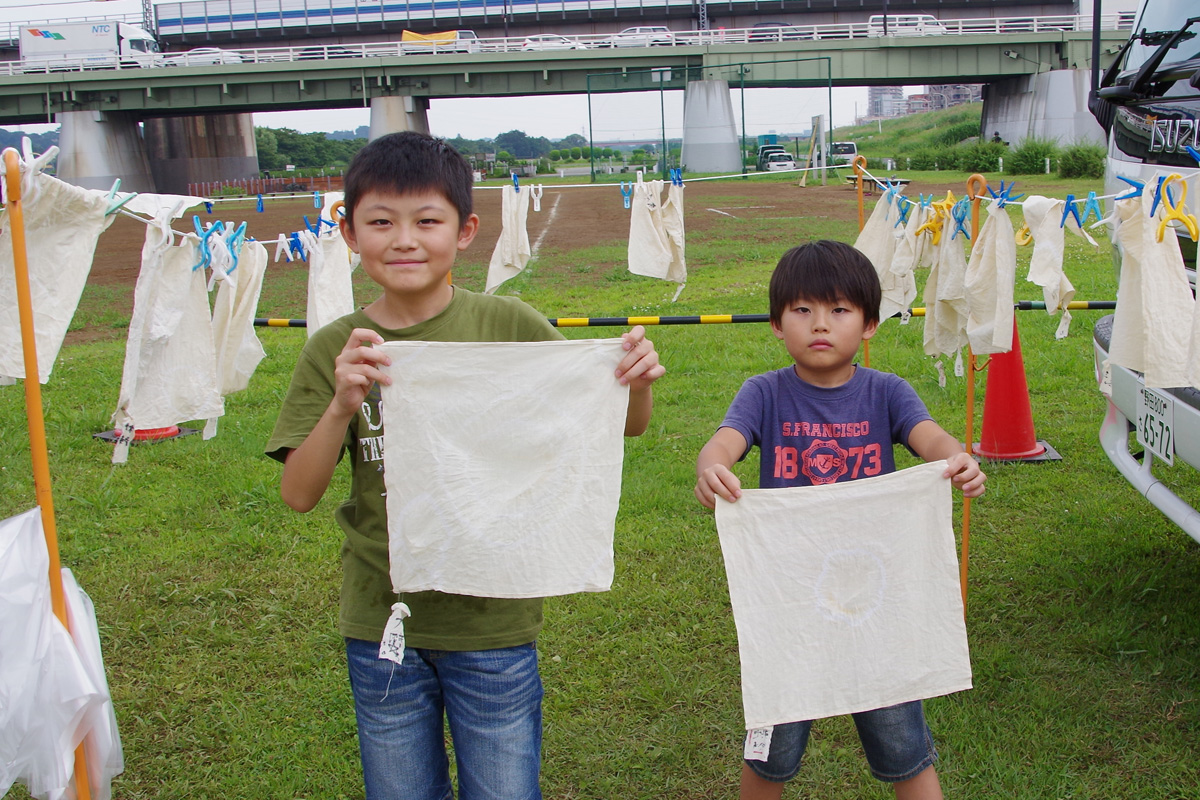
896	741
492	700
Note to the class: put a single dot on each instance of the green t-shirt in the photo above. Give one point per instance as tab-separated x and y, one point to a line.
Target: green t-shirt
439	621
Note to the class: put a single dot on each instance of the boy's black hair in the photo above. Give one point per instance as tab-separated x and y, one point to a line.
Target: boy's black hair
828	272
406	163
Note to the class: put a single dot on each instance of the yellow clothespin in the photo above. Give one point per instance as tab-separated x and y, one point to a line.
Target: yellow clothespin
1024	236
1177	212
934	225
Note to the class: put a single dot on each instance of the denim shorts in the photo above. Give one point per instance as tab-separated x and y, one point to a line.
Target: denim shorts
896	740
492	700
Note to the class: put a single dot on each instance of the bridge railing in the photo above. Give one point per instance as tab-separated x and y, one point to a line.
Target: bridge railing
761	35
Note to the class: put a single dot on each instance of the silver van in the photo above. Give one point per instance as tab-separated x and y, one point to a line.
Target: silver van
905	25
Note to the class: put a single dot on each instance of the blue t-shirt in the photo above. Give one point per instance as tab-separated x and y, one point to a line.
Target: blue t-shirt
809	435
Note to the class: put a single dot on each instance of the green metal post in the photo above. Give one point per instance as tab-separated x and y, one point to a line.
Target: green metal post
591	138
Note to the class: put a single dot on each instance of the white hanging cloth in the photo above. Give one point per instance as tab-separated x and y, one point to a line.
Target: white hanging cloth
512	250
913	251
49	699
502	462
879	241
946	299
845	596
151	205
656	236
330	291
328	201
1042	216
989	281
1152	325
238	350
62	225
170	373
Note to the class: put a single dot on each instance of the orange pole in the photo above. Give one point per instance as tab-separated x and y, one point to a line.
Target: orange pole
38	450
976	184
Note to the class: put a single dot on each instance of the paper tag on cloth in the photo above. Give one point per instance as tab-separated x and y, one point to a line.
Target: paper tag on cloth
758	744
391	646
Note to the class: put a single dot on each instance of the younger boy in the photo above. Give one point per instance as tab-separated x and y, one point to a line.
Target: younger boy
824	300
473	659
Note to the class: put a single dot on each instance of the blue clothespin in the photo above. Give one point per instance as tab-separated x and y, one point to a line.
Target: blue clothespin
1069	210
926	202
1158	195
315	229
113	202
903	206
296	247
1091	206
516	182
235	242
960	212
1005	195
1193	152
208	206
204	233
316	199
627	193
676	175
1136	191
890	191
260	204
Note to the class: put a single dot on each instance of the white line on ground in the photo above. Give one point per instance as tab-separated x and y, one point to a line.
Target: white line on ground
553	211
719	211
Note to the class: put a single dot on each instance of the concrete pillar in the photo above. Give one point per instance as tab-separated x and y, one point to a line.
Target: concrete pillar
1048	105
212	147
97	147
398	113
710	139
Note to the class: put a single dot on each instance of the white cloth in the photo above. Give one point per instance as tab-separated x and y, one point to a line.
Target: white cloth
48	700
62	225
991	274
502	462
845	596
330	291
656	235
1152	325
913	251
946	299
1042	216
170	372
512	250
878	241
238	349
151	205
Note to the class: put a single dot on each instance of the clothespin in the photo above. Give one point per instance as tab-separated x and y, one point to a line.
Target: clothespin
283	247
1024	236
676	174
205	234
1193	152
1158	192
903	206
297	246
535	193
114	202
1136	191
260	204
316	199
516	182
337	210
961	212
934	225
890	191
316	229
1178	212
1091	207
627	193
234	242
1069	210
208	206
925	202
1005	195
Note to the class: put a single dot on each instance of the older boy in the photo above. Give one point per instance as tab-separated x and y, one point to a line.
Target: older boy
824	299
471	659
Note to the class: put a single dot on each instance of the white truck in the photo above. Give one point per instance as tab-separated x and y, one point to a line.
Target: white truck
53	47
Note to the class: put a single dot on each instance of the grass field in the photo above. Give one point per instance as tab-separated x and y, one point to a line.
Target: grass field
217	604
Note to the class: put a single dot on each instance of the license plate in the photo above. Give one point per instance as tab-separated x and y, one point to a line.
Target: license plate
1156	423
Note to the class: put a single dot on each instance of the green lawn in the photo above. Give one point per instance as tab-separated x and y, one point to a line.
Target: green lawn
217	604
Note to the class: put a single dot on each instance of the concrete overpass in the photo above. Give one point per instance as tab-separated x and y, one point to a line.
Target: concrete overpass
197	117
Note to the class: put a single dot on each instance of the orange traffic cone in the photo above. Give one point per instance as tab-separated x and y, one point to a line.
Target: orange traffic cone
1007	432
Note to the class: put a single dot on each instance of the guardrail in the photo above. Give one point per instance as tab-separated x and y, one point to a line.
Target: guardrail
645	36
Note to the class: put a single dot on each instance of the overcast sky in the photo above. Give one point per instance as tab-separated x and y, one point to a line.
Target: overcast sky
625	116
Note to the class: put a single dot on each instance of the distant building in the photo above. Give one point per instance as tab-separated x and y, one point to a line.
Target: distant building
884	102
948	95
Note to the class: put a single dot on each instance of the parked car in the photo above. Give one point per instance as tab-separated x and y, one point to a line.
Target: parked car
776	32
780	161
202	56
905	25
765	151
640	36
460	41
551	41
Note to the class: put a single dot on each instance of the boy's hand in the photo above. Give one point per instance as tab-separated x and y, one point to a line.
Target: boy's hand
355	369
639	368
717	480
965	474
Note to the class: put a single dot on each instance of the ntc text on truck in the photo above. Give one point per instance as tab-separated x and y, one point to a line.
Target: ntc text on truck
86	45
